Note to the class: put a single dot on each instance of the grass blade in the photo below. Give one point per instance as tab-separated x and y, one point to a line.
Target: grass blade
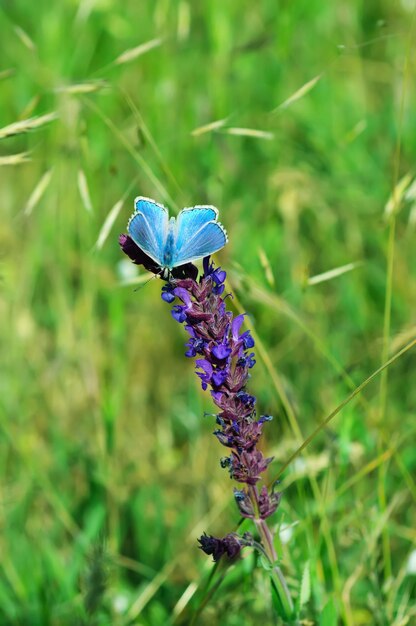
84	191
24	126
132	53
306	88
25	39
400	192
108	224
82	88
15	159
38	192
305	587
249	132
334	273
207	128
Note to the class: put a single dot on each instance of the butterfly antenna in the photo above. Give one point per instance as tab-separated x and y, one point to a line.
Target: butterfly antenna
147	282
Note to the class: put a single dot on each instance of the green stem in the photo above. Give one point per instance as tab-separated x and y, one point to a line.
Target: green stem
276	574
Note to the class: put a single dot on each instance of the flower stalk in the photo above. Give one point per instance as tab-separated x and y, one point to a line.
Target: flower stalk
224	359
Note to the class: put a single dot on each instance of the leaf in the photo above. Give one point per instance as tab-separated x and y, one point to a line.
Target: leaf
305	587
329	615
281	597
265	563
276	601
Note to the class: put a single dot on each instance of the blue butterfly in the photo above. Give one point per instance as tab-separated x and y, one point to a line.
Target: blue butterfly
194	234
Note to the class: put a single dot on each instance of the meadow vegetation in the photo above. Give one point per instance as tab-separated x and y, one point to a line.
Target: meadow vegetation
295	119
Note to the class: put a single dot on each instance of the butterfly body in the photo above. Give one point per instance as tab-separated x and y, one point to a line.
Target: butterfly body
169	247
194	234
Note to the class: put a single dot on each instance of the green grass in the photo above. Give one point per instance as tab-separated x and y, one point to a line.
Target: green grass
108	470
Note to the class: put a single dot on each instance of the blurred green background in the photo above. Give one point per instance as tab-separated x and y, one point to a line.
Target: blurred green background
296	119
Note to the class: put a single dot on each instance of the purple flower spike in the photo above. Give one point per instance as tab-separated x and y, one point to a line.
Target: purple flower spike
224	368
223	363
229	546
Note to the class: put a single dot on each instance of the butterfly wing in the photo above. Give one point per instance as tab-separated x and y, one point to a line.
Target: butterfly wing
148	227
198	234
